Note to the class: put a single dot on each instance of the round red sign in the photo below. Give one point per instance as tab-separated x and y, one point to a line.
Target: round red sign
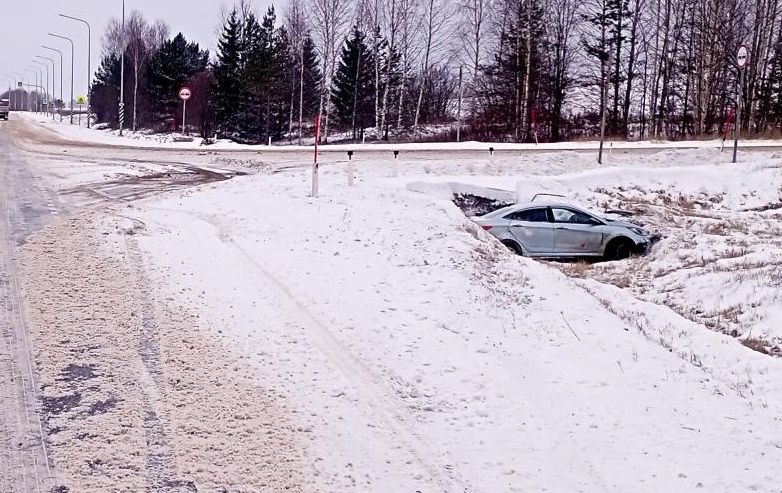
185	93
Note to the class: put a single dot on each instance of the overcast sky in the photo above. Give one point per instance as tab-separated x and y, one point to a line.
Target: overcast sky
24	25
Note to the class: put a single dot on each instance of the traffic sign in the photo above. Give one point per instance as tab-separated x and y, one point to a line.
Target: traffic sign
18	84
81	100
185	93
742	56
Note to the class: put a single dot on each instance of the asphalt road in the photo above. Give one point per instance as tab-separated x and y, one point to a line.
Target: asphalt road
25	463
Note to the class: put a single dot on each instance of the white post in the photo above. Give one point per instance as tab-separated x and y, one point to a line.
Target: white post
184	113
350	169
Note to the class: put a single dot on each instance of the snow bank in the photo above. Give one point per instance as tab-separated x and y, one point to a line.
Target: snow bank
419	354
152	140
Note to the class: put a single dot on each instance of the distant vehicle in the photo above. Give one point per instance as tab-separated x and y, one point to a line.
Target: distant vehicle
555	230
5	108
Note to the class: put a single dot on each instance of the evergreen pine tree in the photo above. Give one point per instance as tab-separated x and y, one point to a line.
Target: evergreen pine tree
104	93
173	66
313	79
354	89
228	90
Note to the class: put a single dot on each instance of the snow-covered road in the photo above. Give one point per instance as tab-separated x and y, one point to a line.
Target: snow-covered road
239	335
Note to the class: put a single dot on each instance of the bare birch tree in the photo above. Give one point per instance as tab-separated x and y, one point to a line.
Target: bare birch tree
296	24
330	21
435	18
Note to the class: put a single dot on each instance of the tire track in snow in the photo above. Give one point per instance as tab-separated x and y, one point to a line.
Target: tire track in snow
26	464
159	462
375	392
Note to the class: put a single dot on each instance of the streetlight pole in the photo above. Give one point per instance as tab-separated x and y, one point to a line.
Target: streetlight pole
60	53
11	97
122	76
48	99
72	55
89	62
19	78
54	74
37	85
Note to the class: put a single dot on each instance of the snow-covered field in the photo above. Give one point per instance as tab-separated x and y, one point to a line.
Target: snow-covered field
401	348
423	356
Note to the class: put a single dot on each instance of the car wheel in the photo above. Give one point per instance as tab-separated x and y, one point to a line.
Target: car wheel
619	249
513	247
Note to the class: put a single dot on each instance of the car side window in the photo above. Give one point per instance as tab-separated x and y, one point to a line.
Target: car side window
570	216
529	215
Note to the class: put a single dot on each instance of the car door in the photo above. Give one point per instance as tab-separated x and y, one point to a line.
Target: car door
533	230
576	233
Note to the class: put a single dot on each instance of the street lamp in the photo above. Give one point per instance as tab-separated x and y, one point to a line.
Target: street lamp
54	74
48	99
10	78
89	62
17	79
72	55
60	53
34	105
122	75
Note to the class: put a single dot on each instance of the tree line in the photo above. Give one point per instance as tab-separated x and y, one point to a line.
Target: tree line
515	70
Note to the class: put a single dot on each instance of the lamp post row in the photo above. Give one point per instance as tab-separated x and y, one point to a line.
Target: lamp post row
20	77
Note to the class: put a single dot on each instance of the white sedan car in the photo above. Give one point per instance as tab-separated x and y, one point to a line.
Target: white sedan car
553	230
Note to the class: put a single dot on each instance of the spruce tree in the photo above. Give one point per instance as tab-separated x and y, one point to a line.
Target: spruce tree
313	79
353	95
104	93
228	90
173	66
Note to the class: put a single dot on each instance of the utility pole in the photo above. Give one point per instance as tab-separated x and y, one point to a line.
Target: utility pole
459	107
89	63
61	70
72	55
603	106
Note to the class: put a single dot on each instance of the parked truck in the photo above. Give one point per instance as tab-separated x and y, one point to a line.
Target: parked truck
5	108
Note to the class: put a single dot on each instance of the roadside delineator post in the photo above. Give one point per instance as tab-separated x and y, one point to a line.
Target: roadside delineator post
350	168
315	161
396	164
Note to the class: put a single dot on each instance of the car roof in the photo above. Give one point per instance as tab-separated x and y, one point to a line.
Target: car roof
531	205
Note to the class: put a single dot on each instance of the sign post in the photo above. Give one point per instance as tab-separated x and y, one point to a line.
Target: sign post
184	94
81	101
741	61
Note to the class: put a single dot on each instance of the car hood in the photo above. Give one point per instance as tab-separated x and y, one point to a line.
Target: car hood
624	224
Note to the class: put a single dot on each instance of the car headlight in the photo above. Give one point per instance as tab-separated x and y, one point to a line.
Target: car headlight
638	231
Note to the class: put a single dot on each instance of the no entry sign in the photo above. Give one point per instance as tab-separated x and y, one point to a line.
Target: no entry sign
185	93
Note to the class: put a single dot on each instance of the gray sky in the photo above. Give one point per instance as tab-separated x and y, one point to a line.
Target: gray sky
24	25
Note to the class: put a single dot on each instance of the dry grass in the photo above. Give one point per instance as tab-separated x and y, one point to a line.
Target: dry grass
757	345
578	269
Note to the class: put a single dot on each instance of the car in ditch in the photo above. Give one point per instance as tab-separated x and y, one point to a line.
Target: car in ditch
559	230
5	108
